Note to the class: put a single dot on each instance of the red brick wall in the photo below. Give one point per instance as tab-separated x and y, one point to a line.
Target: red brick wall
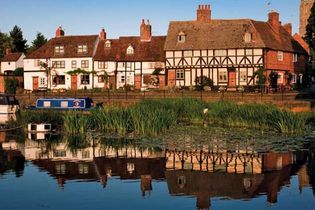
162	81
272	62
2	85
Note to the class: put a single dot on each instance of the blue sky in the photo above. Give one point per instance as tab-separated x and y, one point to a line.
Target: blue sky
123	17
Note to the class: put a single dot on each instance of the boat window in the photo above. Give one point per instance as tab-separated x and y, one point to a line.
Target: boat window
47	127
47	104
64	104
3	100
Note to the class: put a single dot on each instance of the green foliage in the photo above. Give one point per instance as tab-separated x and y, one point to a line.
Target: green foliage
11	85
261	79
78	71
202	82
18	72
76	123
19	43
39	41
273	79
5	42
41	116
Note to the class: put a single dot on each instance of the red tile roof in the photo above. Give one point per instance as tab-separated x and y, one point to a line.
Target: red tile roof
12	57
70	44
143	51
229	34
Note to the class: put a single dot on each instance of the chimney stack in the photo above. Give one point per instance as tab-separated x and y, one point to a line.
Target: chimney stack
288	28
274	21
8	51
145	31
60	32
103	34
204	13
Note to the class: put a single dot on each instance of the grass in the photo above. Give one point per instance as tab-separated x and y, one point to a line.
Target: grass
153	117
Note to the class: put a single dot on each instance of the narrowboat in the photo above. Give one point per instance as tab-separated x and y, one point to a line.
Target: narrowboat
8	104
65	103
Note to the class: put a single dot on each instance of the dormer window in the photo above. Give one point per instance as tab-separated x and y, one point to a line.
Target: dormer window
108	44
59	50
247	37
181	37
82	48
130	50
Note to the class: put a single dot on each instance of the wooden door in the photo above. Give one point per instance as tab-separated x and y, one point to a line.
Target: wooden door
74	82
232	78
35	83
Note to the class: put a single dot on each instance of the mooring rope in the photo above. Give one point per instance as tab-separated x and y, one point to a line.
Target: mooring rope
11	129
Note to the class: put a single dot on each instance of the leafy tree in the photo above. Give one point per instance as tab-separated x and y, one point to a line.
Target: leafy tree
310	34
260	76
19	43
5	42
39	41
202	82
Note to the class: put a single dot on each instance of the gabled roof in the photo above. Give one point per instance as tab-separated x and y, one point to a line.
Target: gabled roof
143	51
229	34
12	57
70	44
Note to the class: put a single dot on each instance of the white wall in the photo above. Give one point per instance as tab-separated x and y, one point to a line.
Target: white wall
11	66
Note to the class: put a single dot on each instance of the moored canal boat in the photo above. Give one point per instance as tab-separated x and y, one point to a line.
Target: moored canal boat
65	103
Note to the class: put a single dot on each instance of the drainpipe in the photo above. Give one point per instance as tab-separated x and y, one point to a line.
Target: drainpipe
92	73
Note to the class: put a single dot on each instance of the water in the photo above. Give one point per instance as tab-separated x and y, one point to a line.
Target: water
119	174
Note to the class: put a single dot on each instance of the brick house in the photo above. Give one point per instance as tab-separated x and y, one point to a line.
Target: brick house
230	51
131	60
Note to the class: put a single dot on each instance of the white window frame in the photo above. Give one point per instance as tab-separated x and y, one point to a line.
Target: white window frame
59	49
295	58
180	74
223	76
280	55
82	48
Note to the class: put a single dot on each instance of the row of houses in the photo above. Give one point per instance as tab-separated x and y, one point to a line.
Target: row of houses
229	52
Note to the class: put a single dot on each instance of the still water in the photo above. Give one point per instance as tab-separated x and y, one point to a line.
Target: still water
51	174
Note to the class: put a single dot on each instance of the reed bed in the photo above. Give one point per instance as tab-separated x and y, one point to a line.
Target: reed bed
152	117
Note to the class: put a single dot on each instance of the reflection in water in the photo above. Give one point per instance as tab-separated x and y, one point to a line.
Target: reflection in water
241	174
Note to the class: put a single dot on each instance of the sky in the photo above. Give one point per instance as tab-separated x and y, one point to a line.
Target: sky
123	17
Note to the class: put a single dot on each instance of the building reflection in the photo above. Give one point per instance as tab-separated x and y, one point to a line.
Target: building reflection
241	174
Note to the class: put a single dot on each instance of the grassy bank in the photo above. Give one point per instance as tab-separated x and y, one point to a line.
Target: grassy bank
152	117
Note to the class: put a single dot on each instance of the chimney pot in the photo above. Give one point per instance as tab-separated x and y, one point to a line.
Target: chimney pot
103	34
274	21
204	13
8	51
145	31
288	28
60	32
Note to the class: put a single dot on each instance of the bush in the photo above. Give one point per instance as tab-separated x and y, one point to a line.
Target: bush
11	85
202	82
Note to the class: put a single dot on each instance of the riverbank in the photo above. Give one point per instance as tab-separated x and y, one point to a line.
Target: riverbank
153	117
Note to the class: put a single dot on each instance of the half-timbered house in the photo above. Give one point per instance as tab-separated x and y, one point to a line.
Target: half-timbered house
229	52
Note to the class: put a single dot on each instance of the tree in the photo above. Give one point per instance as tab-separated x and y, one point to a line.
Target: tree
310	33
19	43
5	42
39	41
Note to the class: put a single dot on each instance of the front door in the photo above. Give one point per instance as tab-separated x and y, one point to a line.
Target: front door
35	83
74	82
232	78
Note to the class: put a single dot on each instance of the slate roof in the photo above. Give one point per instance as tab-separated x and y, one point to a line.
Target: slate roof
70	44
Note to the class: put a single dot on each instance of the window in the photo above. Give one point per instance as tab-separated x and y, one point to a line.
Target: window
243	76
181	37
107	44
249	51
37	63
59	80
180	74
59	50
128	65
122	79
130	50
85	64
83	168
60	168
223	76
280	56
82	49
58	64
101	79
85	79
295	58
42	81
64	104
102	65
74	64
220	53
248	37
60	153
